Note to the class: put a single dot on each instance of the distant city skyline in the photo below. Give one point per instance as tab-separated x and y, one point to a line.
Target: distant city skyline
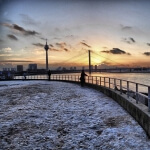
117	32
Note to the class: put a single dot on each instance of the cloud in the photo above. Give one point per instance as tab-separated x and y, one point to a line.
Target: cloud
15	61
126	27
148	44
51	45
129	40
28	20
104	47
115	51
7	49
25	32
38	44
54	49
66	49
12	37
20	29
69	36
84	44
61	45
146	53
56	38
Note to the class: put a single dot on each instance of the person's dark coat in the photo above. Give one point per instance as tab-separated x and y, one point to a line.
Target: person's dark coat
49	74
82	78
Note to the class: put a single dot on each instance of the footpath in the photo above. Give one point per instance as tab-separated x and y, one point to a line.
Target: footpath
43	115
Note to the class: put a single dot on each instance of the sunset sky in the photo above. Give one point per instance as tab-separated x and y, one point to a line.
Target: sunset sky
116	31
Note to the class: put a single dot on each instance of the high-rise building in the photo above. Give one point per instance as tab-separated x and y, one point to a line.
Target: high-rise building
19	68
32	67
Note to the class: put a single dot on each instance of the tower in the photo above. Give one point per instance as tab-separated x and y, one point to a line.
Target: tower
46	48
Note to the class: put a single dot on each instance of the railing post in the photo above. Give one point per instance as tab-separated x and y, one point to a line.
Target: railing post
128	89
109	83
96	80
149	98
136	93
120	86
115	84
100	81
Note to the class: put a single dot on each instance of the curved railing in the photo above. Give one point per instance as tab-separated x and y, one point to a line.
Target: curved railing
140	92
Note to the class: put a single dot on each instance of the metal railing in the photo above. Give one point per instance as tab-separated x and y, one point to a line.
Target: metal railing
140	92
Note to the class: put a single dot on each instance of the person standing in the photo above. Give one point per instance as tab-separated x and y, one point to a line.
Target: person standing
82	78
24	74
49	75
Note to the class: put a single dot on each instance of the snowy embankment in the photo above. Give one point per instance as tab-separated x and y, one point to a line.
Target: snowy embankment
63	116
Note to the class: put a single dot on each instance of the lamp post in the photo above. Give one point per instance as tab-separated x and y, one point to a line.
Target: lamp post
46	47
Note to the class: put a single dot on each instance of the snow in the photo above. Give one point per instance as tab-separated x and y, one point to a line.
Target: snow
40	115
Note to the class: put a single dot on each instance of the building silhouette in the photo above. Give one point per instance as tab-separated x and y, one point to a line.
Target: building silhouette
19	68
32	67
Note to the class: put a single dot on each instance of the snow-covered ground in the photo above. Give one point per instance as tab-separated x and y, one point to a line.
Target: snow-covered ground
42	115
